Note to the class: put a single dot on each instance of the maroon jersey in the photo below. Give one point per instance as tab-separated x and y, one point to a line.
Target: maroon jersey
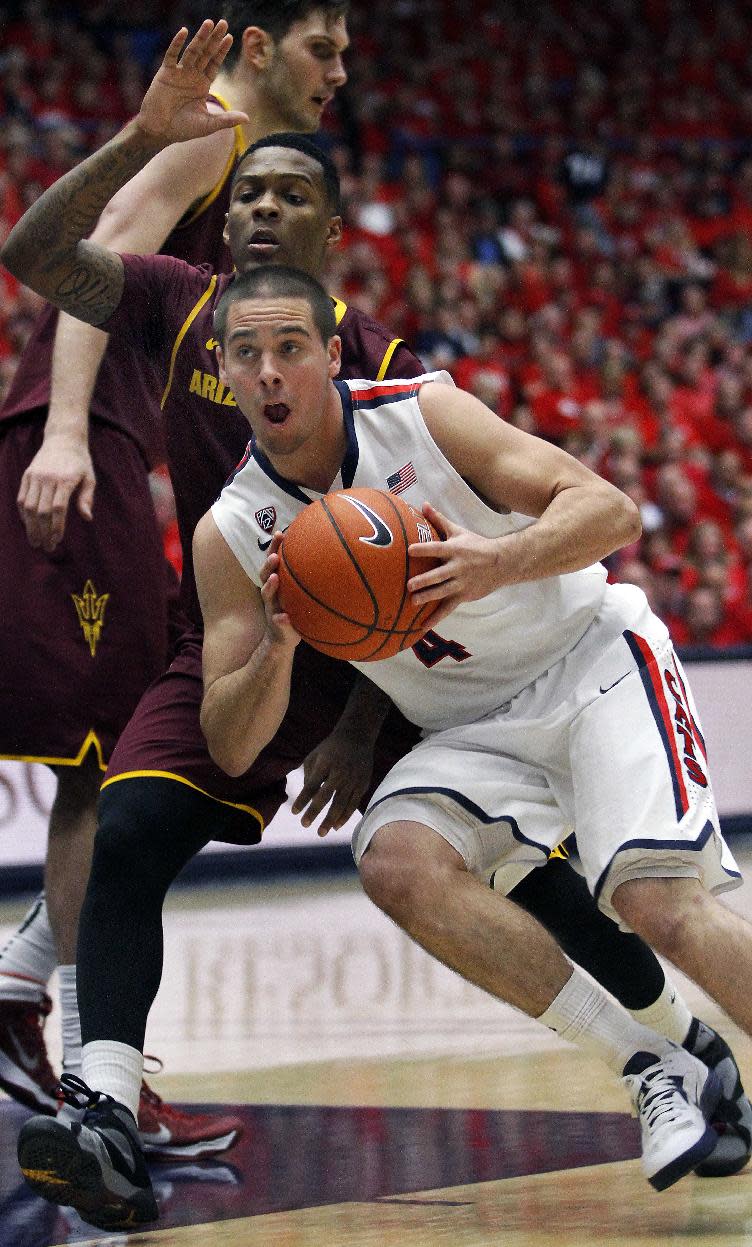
166	313
127	392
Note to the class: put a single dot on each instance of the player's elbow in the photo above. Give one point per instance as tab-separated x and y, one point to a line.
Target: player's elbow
225	746
229	760
630	520
14	256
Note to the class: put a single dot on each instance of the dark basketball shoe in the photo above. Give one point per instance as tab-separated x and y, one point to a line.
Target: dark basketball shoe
25	1072
732	1120
94	1165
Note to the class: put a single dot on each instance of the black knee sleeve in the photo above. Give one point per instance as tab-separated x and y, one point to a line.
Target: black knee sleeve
148	829
558	897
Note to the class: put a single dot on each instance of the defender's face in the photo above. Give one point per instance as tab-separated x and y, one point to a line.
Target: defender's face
306	70
279	370
279	213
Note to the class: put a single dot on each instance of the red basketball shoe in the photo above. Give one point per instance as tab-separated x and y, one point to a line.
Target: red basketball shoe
25	1071
171	1134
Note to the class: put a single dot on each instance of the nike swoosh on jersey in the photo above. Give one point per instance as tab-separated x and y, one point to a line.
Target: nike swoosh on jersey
264	545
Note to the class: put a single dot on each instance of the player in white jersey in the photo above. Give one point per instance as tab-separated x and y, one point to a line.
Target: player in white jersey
525	660
435	831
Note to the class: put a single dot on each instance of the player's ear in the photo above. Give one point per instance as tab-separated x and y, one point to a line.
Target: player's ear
221	363
256	47
334	232
335	355
226	230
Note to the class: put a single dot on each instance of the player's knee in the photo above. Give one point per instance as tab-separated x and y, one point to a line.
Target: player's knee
384	878
405	866
664	912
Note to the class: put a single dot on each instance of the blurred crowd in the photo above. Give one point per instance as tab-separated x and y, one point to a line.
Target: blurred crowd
554	202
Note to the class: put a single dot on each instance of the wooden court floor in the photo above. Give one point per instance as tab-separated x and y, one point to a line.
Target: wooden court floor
385	1101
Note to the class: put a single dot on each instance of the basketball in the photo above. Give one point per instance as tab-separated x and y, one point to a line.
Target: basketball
343	574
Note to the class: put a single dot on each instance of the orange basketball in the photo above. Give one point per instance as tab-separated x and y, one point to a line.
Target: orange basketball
343	574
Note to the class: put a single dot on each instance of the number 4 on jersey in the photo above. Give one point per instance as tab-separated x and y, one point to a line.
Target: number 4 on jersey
431	648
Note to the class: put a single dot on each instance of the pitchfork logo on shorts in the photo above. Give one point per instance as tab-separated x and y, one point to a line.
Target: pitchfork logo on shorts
266	518
90	610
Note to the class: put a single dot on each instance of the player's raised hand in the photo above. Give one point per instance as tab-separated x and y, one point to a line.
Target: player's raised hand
174	107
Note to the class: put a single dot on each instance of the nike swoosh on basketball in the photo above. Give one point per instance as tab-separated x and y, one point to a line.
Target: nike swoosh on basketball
28	1060
381	535
608	687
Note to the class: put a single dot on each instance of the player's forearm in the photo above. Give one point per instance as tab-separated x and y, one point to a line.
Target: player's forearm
579	527
365	710
242	711
48	248
76	356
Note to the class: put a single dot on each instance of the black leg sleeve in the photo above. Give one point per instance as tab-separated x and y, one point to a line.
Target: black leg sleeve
148	829
558	897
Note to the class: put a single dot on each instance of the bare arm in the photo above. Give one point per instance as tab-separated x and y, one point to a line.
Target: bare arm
48	249
580	518
138	220
248	651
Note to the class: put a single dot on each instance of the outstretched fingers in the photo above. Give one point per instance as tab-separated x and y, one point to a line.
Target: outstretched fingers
176	46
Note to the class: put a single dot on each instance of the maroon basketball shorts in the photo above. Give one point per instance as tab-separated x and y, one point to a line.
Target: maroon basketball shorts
164	739
83	631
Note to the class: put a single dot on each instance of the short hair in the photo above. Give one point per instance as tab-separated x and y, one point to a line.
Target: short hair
274	16
300	143
274	281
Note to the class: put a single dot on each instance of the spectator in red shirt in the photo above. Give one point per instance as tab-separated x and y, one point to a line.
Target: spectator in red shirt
557	409
484	369
707	621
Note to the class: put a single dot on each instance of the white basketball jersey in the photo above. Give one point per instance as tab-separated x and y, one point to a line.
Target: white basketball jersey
485	652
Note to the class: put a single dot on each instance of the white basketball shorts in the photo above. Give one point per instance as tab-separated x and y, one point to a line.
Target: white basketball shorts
607	742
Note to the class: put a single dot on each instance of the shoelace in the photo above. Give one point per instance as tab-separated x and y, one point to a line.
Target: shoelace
655	1100
72	1089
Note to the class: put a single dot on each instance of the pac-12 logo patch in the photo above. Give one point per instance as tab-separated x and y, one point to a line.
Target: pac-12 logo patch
266	518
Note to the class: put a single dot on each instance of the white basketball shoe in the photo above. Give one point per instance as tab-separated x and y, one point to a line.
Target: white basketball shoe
674	1097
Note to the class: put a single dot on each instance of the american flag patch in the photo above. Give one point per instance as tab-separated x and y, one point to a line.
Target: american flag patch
398	482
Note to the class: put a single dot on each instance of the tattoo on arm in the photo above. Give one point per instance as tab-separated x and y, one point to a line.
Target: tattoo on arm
48	249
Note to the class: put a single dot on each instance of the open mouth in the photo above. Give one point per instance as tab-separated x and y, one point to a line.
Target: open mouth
276	413
321	101
263	243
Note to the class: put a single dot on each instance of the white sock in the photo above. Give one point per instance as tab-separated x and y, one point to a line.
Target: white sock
29	957
669	1014
115	1068
71	1024
585	1015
